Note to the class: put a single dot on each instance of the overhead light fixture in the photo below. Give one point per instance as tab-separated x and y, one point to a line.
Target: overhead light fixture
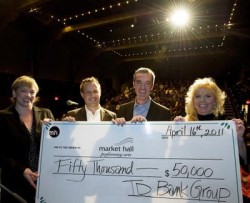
180	17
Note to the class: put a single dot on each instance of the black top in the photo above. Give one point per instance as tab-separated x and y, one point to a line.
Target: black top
15	146
210	117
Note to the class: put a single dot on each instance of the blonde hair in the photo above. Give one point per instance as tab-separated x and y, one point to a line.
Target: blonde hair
207	83
25	81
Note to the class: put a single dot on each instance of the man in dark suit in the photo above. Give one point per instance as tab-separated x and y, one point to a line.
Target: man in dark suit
143	107
90	90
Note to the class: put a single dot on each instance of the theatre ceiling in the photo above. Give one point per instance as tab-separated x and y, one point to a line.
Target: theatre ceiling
117	35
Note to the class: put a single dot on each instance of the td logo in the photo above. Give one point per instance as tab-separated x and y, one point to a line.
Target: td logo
54	131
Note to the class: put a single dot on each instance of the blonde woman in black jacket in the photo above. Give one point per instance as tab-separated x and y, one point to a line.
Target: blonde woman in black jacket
20	126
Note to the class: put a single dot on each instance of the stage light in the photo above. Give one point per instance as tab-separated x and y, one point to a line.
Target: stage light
180	17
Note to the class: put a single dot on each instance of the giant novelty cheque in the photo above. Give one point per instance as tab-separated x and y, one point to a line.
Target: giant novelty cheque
154	162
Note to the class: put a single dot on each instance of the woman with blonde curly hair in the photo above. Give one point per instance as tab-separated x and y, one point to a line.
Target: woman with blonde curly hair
204	101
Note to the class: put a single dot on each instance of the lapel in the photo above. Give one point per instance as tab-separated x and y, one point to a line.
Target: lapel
16	119
102	114
130	111
82	114
151	111
37	116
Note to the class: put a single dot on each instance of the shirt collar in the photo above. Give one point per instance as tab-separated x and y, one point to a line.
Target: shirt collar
142	109
146	104
93	117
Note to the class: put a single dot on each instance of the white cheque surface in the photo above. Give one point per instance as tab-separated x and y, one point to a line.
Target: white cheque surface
152	162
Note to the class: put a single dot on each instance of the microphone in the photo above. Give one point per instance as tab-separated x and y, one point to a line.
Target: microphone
13	194
71	103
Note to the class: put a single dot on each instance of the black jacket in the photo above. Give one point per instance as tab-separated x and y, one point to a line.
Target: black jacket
14	146
156	112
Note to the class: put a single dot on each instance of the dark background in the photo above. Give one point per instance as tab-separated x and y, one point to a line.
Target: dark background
33	41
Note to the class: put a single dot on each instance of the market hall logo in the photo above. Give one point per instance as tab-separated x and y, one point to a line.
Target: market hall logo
119	147
54	131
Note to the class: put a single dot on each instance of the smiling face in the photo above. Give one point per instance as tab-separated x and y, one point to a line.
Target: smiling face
91	94
204	101
24	96
143	85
